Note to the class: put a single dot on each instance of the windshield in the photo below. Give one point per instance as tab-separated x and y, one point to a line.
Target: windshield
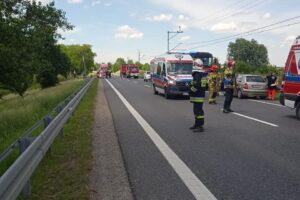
255	79
207	62
179	68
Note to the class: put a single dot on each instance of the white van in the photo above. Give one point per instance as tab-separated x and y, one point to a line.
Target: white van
172	74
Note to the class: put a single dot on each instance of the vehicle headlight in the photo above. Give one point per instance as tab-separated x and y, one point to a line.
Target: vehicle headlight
172	82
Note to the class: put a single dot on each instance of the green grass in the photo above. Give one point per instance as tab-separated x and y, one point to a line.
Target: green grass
18	114
64	174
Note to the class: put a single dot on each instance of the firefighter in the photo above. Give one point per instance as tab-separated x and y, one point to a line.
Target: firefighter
229	85
272	86
213	84
197	94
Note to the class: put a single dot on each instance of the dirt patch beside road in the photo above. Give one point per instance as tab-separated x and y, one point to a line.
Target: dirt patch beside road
108	176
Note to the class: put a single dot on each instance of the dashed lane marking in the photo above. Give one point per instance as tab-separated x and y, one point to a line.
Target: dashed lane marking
258	120
196	187
274	104
147	86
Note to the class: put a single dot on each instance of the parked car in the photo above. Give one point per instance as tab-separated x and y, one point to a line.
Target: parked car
249	85
147	75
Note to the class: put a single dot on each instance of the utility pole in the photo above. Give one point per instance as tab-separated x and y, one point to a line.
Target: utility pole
169	38
139	56
84	66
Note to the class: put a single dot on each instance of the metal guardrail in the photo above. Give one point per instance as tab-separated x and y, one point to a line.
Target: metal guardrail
17	176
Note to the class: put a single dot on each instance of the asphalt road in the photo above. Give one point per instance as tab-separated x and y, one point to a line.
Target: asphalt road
253	153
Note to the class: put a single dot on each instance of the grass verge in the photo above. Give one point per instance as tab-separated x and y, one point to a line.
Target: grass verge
64	174
18	114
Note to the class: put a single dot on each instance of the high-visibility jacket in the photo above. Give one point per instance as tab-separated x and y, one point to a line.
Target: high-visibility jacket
229	79
198	87
213	81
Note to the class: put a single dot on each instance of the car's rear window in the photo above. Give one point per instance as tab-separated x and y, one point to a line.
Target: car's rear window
255	79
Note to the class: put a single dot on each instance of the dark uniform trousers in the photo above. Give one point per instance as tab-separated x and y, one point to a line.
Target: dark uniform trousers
228	98
199	114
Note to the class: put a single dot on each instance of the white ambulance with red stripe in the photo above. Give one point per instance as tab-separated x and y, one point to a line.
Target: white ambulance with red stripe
171	74
290	95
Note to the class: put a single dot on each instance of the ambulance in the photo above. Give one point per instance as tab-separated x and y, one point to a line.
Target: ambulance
290	95
171	74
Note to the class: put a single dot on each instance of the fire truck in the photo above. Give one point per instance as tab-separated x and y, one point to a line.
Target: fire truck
129	70
102	71
171	74
290	94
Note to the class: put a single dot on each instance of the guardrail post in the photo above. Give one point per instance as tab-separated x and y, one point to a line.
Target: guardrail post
47	120
24	142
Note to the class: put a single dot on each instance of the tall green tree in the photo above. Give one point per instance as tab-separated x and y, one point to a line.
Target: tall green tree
27	42
81	57
117	64
249	52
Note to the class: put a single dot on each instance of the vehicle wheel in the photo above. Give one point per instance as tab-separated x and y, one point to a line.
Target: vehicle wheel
167	95
154	90
298	110
262	97
239	94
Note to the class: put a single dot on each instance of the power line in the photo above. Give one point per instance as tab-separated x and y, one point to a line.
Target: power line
248	6
252	33
207	18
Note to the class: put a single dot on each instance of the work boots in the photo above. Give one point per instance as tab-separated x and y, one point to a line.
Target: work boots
199	129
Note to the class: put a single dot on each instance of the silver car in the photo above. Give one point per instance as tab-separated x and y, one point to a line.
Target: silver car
249	85
147	75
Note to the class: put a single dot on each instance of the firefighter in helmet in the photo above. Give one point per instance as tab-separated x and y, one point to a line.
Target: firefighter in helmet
197	94
213	84
229	85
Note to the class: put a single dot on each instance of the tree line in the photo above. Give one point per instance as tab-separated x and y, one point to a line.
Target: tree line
251	57
29	49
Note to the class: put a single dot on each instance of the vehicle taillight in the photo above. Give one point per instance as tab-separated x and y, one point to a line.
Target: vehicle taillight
245	86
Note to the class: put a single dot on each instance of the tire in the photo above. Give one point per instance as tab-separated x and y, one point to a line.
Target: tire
298	111
262	97
154	90
240	94
166	94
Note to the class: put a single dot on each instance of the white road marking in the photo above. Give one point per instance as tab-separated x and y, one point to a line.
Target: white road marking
147	86
196	187
134	82
258	120
274	104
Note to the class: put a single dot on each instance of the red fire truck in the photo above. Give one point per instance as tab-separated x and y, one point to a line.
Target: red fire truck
102	71
129	70
290	95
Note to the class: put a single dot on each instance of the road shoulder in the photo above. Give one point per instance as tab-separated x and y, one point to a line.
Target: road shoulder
109	178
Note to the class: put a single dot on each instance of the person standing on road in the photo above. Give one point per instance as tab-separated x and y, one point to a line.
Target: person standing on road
272	86
229	85
197	94
213	84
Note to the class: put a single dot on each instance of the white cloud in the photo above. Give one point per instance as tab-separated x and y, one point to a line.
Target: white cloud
182	17
161	17
96	2
126	32
266	16
288	40
185	38
74	1
224	27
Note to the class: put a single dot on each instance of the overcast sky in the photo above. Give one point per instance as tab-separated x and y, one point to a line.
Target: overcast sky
122	28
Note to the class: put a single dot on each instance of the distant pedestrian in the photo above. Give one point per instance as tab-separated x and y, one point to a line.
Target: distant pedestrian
229	85
197	94
272	85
